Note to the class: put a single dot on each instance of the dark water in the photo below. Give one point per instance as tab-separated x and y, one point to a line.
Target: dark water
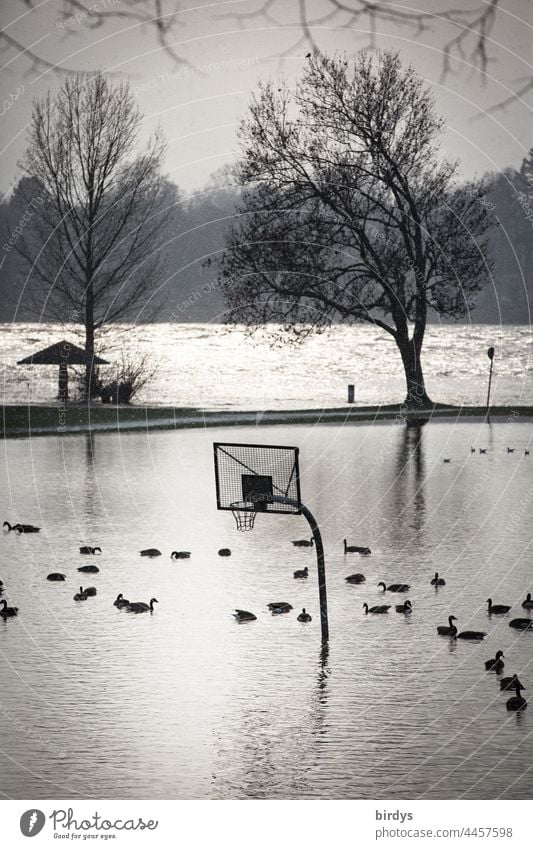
186	703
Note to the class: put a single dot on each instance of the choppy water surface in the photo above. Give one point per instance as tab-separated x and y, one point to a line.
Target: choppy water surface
211	366
186	703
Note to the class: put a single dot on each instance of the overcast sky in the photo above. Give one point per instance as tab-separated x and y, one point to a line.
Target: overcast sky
228	49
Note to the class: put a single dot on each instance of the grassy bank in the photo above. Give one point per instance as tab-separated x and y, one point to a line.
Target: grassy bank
39	419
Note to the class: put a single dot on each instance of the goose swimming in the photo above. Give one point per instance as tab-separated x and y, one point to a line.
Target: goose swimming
471	635
355	549
224	552
81	596
448	630
120	601
509	682
87	549
180	555
527	603
303	543
378	608
6	611
496	663
55	576
516	702
395	588
497	608
406	607
521	624
280	607
22	529
304	616
301	573
355	579
141	606
244	616
150	552
89	570
437	581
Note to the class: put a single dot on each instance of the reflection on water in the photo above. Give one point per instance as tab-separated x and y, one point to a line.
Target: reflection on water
200	365
186	703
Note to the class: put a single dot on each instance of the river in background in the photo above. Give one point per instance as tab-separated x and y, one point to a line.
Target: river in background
213	367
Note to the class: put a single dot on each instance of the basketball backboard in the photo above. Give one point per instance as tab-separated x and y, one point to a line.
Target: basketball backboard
253	474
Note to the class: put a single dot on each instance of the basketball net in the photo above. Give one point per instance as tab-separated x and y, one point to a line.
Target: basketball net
244	513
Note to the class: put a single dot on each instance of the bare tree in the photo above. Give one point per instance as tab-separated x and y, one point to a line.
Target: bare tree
466	31
160	17
349	213
93	247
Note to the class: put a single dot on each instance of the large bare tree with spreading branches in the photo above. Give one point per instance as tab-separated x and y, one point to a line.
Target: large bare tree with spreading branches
93	247
349	213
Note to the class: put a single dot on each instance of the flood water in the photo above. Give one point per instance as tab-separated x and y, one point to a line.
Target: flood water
201	365
186	703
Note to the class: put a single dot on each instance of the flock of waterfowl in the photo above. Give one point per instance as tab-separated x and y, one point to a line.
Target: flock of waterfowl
90	569
279	607
135	606
485	451
496	664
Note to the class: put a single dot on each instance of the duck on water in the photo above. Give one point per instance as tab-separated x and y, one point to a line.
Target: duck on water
516	702
244	616
141	606
22	529
395	588
448	630
378	608
496	664
6	612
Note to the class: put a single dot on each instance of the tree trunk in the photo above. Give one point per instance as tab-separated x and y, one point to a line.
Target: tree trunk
410	350
89	343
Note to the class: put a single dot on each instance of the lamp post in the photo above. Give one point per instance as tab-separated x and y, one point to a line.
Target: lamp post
490	354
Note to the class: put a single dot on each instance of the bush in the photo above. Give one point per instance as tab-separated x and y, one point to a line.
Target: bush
134	372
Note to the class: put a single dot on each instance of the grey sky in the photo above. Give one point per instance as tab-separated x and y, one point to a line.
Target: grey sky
199	105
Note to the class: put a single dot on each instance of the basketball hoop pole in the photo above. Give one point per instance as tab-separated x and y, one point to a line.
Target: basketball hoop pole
321	565
247	478
321	572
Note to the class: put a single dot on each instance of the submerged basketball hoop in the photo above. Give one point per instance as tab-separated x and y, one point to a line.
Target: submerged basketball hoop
252	479
244	513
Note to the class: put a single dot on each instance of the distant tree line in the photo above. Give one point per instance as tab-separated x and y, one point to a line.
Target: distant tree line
191	293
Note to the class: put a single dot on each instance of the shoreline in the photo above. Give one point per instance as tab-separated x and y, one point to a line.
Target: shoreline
25	421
